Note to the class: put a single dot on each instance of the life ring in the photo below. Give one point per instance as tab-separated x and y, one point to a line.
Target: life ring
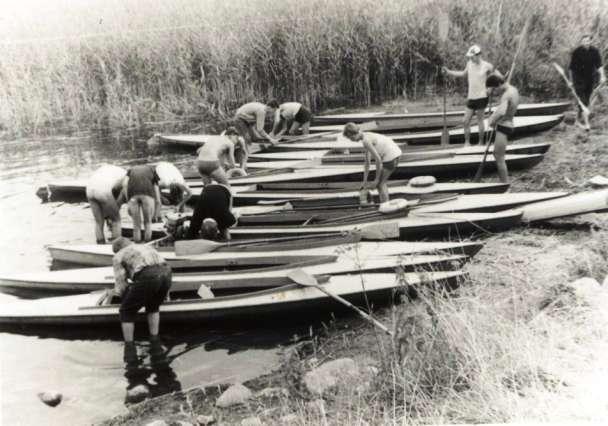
392	206
422	181
236	172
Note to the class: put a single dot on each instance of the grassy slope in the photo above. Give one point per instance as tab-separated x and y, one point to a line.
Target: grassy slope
514	343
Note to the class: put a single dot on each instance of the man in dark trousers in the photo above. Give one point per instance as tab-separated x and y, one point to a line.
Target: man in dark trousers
142	278
585	70
213	214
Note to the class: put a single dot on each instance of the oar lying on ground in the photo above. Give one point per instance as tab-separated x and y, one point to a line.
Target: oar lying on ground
302	278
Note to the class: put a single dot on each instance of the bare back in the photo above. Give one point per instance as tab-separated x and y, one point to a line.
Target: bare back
215	149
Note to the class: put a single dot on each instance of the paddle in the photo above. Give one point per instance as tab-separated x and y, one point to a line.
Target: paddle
584	109
520	44
304	279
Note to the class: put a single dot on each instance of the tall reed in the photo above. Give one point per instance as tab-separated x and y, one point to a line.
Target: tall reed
126	63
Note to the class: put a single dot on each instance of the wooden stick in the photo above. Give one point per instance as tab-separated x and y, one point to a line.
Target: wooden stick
304	279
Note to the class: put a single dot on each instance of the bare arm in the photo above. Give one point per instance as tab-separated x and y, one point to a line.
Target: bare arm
284	127
499	112
275	124
372	150
231	160
245	152
602	74
259	127
185	189
454	73
120	276
157	202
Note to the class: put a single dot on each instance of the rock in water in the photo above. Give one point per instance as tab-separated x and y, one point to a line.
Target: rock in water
235	394
52	399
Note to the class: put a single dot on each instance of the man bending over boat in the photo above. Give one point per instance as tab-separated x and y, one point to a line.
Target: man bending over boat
250	118
141	278
476	71
103	189
502	120
386	155
292	115
169	177
140	187
217	154
213	214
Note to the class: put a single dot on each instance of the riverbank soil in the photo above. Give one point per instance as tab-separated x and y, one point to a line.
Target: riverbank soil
524	337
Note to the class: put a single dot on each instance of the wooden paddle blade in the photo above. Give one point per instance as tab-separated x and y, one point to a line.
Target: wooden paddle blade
190	247
380	231
299	276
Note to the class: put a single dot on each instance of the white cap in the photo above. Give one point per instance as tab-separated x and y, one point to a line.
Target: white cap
473	50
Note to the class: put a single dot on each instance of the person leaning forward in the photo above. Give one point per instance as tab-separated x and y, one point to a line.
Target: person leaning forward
142	278
292	116
212	214
105	198
477	71
386	154
585	70
141	189
502	120
250	118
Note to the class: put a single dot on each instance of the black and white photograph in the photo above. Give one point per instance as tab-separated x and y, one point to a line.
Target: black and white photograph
304	212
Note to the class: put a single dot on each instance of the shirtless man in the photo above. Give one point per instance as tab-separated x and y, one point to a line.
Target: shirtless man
140	186
172	179
101	187
502	120
292	115
476	71
241	151
250	118
212	158
386	155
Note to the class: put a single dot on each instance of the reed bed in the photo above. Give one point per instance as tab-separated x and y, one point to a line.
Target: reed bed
146	62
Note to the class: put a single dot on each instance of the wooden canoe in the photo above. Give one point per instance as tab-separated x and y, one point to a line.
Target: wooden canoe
457	166
575	204
410	153
91	279
83	310
523	126
101	255
414	226
458	204
429	119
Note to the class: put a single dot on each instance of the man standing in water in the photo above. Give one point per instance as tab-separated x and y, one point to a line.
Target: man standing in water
142	278
476	71
386	155
502	120
249	120
585	69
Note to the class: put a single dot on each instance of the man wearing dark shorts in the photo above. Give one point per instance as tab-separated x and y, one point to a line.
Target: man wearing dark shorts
141	186
476	71
289	117
212	214
142	279
502	120
585	70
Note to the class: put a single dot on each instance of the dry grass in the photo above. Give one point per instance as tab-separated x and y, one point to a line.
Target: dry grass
137	62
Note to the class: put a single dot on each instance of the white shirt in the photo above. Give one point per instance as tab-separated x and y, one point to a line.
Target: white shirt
387	149
103	180
168	174
477	75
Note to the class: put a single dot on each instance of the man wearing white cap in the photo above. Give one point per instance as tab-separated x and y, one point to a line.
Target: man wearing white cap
477	71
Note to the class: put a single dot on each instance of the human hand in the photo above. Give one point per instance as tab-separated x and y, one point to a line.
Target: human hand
273	141
444	70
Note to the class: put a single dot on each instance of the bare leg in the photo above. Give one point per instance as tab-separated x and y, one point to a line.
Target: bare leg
220	176
305	127
383	185
482	126
500	148
128	330
99	221
136	216
114	218
468	114
153	324
147	207
294	128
